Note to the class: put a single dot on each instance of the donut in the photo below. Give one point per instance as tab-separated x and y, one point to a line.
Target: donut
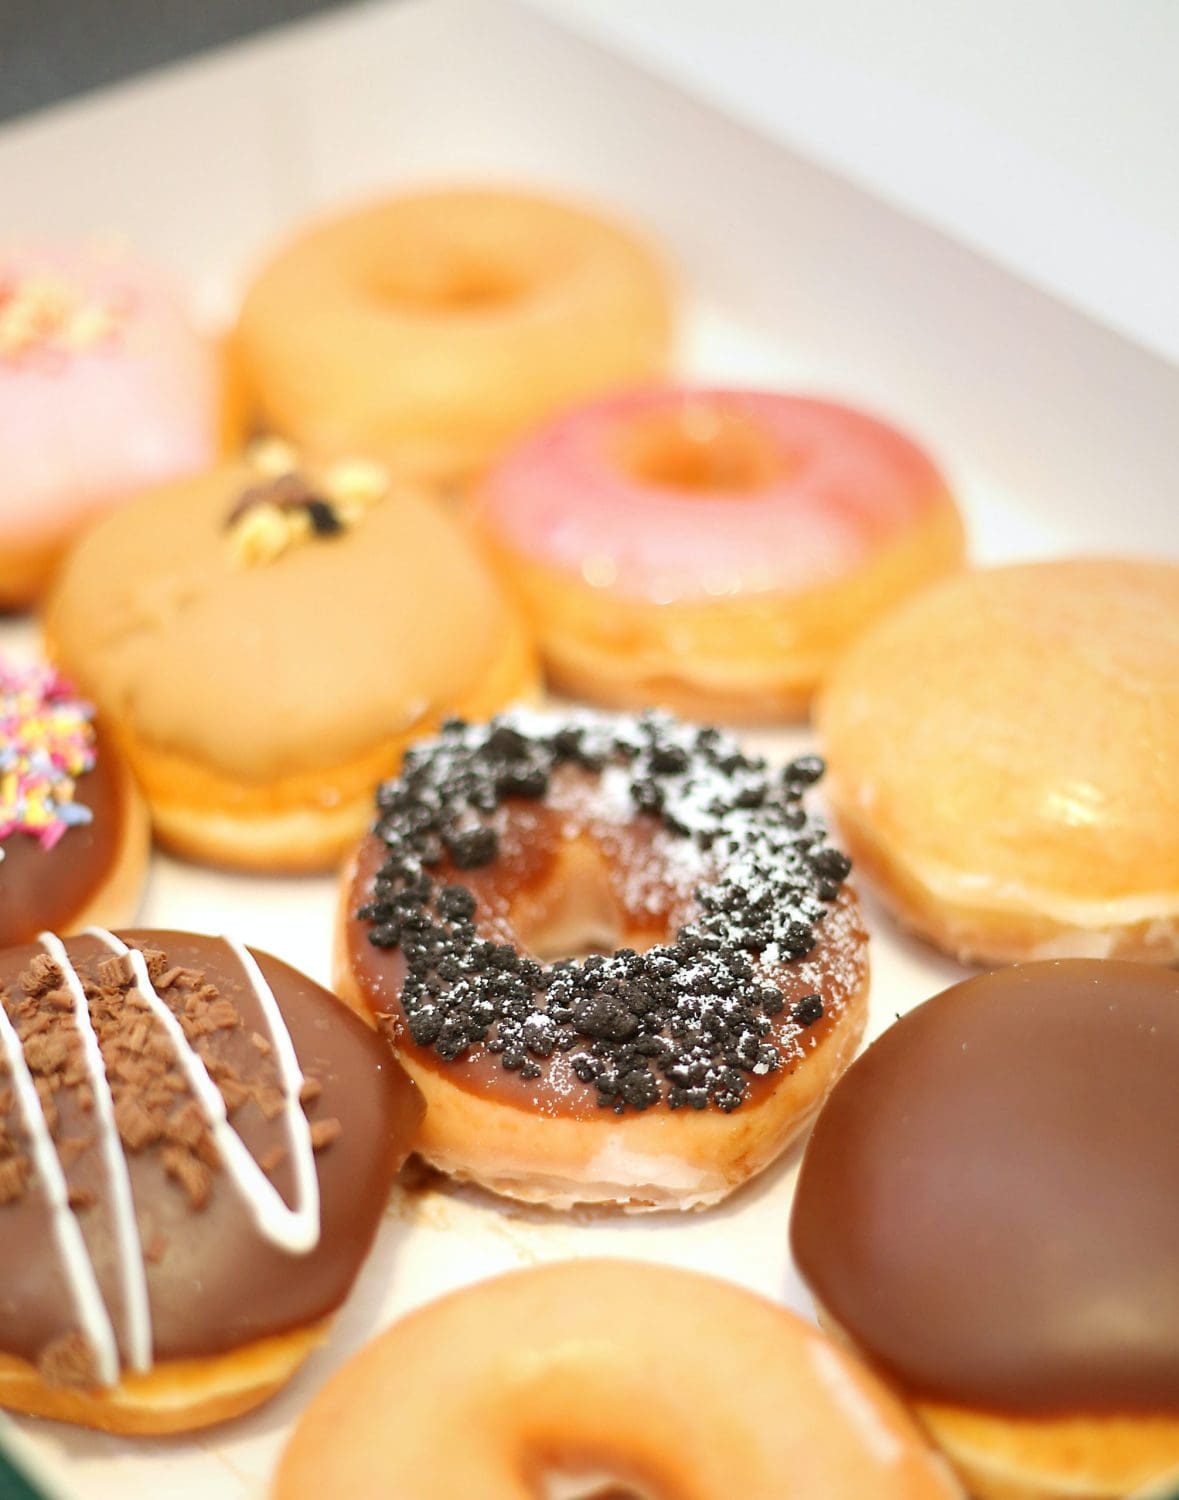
711	550
264	640
1002	754
105	388
674	1382
432	328
988	1209
73	827
196	1144
724	980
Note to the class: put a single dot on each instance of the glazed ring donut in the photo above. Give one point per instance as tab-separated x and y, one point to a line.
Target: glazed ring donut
672	1382
430	329
1003	763
196	1144
664	1073
105	388
709	550
73	827
988	1209
265	639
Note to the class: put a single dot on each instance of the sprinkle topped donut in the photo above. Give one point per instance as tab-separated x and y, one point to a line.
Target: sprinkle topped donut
73	832
105	387
502	845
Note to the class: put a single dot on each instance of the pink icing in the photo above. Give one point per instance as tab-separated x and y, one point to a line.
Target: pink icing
81	427
846	485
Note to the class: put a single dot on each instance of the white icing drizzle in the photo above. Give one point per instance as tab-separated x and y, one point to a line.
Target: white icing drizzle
295	1230
93	1317
132	1270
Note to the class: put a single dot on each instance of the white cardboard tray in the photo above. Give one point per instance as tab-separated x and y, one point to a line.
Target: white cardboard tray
1057	436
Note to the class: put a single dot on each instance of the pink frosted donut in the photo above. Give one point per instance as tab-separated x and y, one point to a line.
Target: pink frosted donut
105	388
712	550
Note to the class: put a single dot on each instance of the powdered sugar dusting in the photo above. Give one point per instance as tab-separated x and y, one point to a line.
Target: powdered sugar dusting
690	1022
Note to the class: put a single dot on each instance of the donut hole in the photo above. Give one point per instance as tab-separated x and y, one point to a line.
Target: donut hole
570	1486
453	286
700	449
578	910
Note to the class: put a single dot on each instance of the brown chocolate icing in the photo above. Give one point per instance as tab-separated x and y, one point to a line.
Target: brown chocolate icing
214	1282
989	1204
48	888
624	867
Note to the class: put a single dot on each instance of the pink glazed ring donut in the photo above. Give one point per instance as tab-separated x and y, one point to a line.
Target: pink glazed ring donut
712	551
104	388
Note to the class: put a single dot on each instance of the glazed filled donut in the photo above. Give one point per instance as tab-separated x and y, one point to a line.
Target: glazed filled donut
989	1211
430	329
196	1144
727	993
265	639
1002	761
73	828
105	388
712	551
677	1384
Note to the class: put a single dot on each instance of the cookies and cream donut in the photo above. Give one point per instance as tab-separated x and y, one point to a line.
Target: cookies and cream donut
649	1380
196	1143
73	828
988	1208
1002	760
105	388
265	639
431	328
712	551
729	989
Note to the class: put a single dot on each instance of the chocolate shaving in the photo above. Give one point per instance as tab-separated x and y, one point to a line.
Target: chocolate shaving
324	1132
68	1362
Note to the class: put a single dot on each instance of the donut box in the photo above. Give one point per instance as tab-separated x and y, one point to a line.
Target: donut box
1037	414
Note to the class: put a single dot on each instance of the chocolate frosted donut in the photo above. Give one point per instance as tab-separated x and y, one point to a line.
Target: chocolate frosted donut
989	1209
73	831
196	1144
727	991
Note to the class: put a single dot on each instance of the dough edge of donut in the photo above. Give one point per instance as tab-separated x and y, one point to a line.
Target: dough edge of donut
175	1396
978	919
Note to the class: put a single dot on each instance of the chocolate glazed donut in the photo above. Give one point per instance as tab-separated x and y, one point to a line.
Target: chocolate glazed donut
989	1209
196	1144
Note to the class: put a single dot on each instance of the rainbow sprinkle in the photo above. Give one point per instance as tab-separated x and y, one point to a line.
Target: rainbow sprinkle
46	743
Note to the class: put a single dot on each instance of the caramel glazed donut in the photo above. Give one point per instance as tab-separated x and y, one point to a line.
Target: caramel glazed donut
651	1380
196	1144
664	1073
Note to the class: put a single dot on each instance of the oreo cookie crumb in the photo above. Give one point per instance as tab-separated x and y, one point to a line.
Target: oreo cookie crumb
689	1022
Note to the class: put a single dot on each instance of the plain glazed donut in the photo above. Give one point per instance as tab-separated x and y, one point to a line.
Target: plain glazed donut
430	329
265	639
712	551
988	1209
105	388
196	1145
664	1073
676	1384
1002	754
73	827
